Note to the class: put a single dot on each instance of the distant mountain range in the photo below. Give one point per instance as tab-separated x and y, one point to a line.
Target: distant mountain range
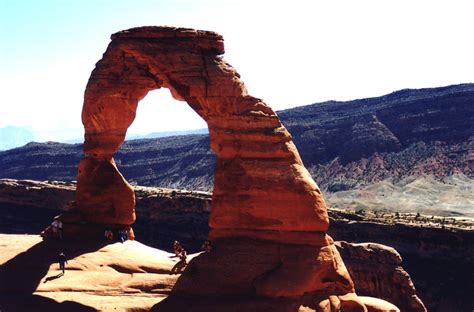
164	134
152	135
344	145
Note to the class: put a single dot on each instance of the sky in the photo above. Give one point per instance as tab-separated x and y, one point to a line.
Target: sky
289	53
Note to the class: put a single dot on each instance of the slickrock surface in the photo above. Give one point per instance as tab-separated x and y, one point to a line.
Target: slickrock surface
114	277
266	207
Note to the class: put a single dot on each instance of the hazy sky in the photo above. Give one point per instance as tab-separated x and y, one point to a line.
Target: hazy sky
289	53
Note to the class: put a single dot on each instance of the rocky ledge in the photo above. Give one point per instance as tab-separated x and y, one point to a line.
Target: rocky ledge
132	276
437	255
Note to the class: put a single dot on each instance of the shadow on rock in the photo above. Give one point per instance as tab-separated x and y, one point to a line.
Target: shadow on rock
24	302
178	303
21	275
250	275
53	277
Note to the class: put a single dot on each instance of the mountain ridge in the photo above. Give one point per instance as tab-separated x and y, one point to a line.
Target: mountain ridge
344	145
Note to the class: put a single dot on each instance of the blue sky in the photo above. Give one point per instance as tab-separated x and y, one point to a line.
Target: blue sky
289	53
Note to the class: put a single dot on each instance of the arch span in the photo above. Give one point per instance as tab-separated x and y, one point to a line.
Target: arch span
260	182
268	218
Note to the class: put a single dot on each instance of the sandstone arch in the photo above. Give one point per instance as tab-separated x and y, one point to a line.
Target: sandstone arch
260	181
268	219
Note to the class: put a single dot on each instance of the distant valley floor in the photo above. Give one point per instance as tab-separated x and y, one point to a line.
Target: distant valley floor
451	197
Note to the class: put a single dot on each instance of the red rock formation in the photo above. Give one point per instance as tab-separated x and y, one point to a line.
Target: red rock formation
268	220
376	270
259	172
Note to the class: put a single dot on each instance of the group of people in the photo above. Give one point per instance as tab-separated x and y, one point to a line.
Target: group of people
178	249
122	235
57	231
181	253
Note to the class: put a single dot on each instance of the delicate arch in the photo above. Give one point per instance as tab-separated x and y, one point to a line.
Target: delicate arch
268	217
260	183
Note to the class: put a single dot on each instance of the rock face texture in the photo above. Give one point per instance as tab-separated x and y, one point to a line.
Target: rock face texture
437	258
47	194
268	220
384	124
376	271
258	169
27	205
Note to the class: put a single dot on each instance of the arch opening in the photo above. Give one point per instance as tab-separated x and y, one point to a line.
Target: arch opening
167	145
159	115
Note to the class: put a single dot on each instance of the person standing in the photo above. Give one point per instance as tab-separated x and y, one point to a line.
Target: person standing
181	264
62	261
123	235
177	248
57	228
60	229
109	235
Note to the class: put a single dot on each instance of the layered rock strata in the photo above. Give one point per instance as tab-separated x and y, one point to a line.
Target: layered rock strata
436	256
268	220
42	194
